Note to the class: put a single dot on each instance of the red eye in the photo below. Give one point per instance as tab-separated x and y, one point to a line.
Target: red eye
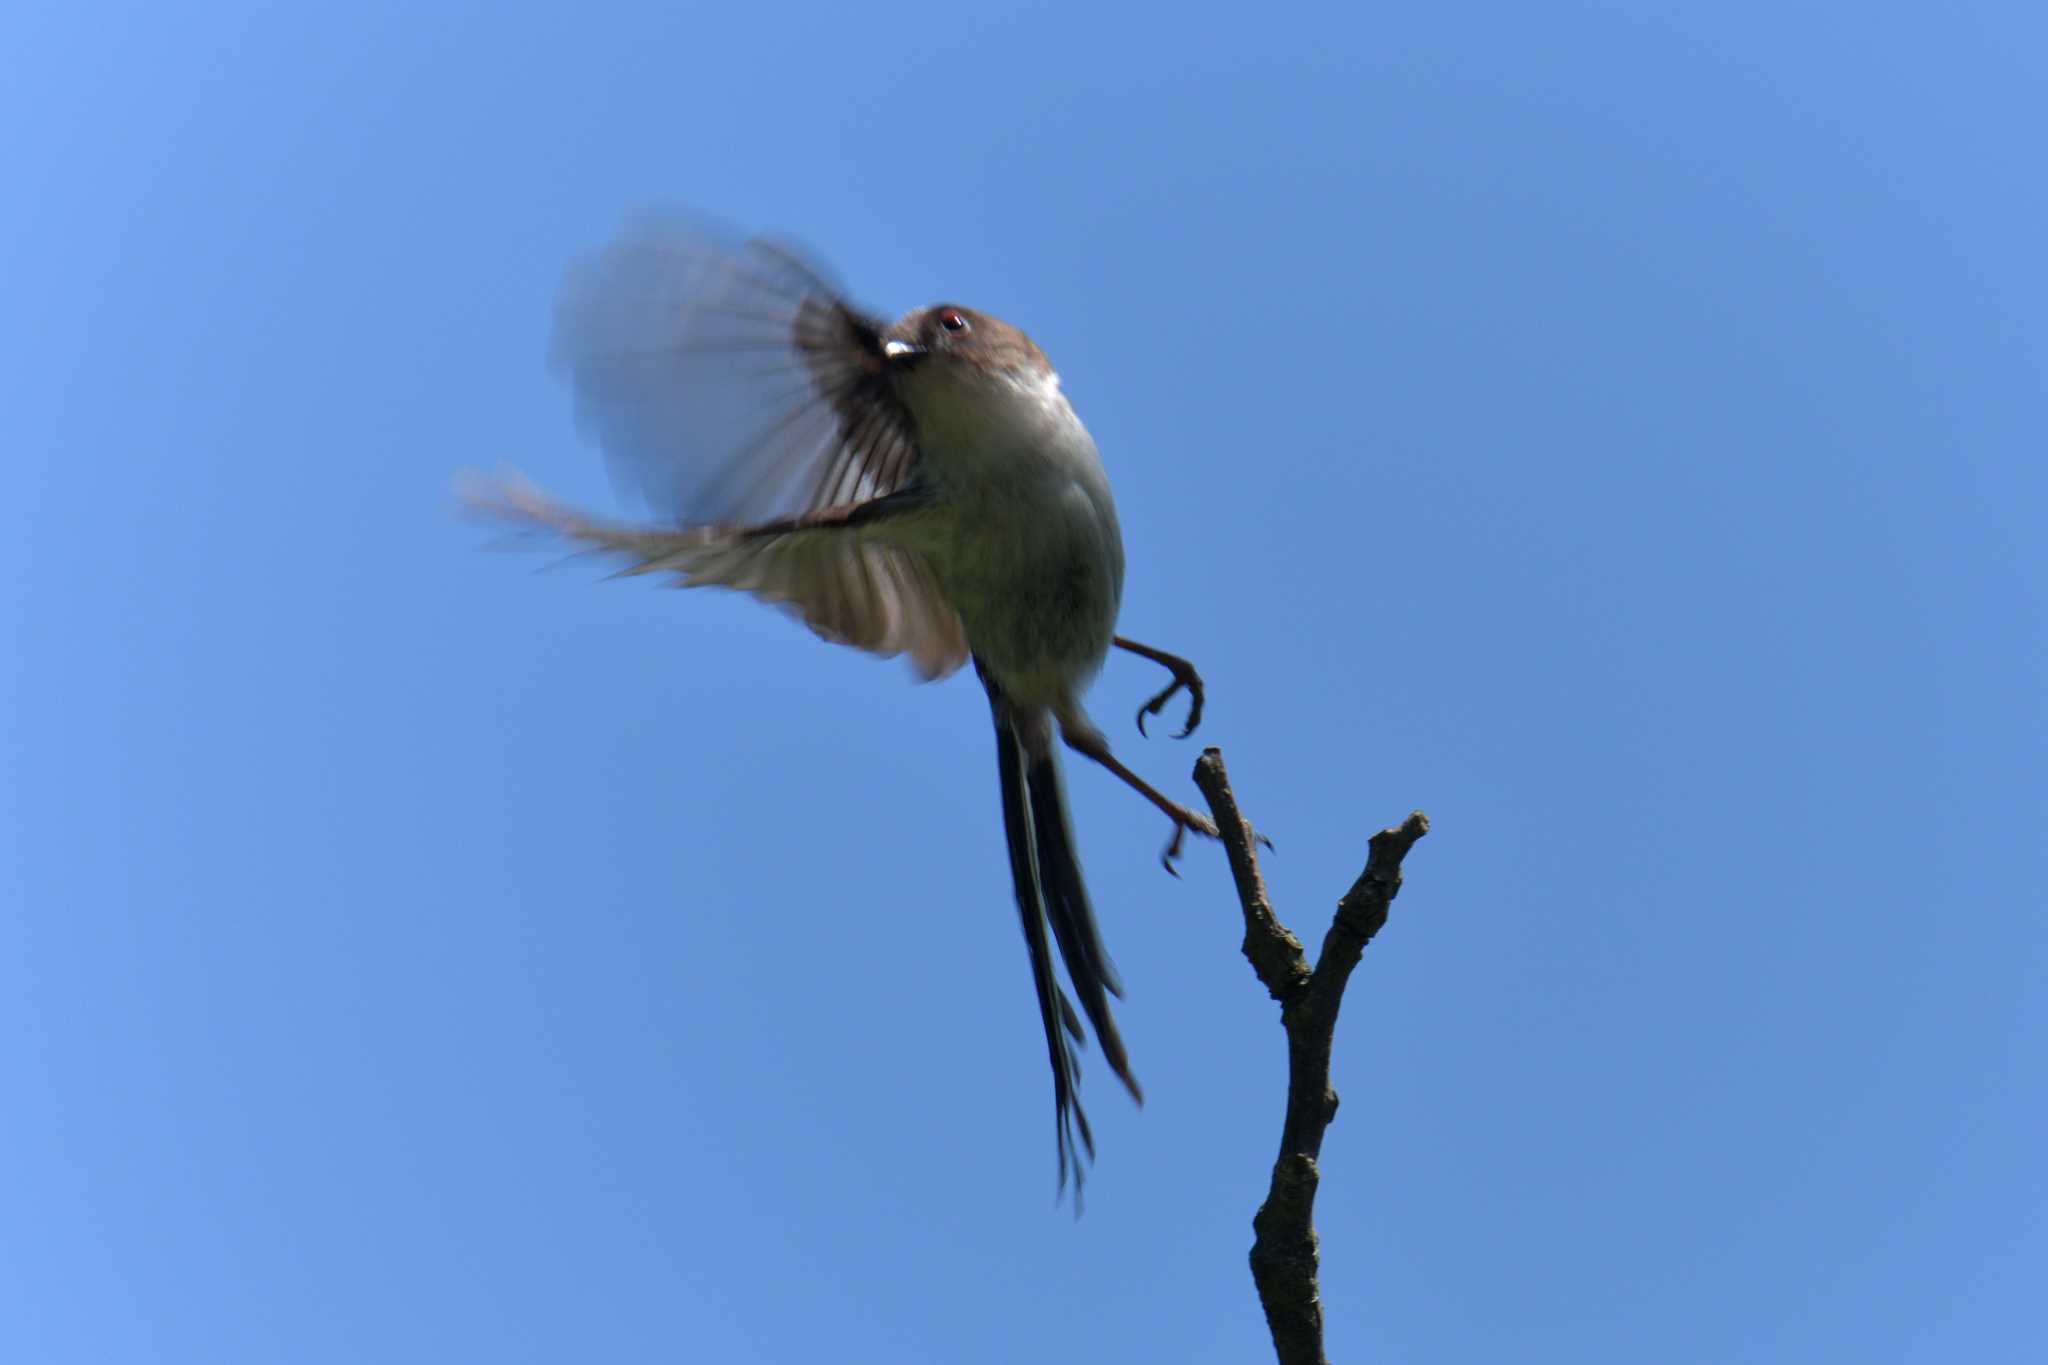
953	320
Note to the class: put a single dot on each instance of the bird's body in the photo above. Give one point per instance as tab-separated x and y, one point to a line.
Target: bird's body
924	488
1023	537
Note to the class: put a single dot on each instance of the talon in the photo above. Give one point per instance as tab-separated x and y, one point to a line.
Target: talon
1187	820
1173	849
1193	686
1184	676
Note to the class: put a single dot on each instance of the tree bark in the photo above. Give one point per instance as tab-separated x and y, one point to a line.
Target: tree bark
1283	1255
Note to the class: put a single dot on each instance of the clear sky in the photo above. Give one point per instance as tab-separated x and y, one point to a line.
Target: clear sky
1620	436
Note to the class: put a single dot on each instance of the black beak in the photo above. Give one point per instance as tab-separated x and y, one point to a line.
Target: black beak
903	353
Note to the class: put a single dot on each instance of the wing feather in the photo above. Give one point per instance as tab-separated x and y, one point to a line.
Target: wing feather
728	384
822	568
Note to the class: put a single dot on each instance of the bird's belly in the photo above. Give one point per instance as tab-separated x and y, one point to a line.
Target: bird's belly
1036	574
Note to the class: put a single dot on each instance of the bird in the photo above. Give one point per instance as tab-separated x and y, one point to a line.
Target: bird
920	488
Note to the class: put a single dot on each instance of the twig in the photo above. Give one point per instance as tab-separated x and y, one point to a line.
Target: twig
1283	1256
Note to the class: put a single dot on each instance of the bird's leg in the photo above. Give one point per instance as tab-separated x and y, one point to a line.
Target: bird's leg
1184	676
1083	738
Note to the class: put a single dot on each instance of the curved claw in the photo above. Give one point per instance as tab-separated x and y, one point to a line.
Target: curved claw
1173	849
1184	676
1157	704
1200	824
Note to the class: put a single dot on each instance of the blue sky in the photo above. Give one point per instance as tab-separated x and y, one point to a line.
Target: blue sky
1613	430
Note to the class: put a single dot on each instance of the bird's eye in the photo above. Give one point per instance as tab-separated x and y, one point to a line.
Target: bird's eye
953	320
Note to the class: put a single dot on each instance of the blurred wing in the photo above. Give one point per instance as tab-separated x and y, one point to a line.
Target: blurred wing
728	384
849	589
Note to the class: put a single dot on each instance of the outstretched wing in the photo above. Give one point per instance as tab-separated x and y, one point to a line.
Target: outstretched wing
747	402
850	589
728	384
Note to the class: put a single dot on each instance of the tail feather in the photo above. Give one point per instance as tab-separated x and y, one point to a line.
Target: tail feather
1056	1010
1050	893
1072	918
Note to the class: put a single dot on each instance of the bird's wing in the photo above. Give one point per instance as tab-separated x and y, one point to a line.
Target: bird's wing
728	384
850	589
745	400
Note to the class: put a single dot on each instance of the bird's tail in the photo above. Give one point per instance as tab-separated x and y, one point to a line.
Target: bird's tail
1050	892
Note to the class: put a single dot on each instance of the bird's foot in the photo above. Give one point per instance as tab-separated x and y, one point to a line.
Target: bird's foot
1183	821
1184	678
1189	680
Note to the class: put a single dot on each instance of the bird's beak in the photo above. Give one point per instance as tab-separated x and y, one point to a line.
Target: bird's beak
902	352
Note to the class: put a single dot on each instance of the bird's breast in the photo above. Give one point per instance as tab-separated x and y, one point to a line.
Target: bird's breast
1025	542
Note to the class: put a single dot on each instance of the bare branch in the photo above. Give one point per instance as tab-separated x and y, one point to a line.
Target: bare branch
1283	1256
1272	949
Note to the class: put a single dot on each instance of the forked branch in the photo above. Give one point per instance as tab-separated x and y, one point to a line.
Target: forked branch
1283	1256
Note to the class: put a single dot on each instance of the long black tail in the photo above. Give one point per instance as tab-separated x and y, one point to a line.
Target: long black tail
1049	889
